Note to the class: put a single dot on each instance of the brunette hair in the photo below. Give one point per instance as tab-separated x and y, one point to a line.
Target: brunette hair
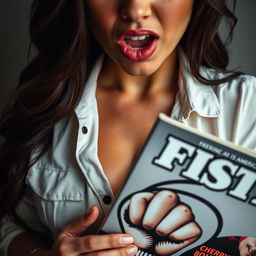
51	85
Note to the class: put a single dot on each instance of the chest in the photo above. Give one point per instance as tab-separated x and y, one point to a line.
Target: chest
123	129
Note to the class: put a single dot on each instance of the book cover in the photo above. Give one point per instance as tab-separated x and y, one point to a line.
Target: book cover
188	194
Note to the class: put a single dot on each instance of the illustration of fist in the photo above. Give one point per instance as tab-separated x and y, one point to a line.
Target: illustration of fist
159	222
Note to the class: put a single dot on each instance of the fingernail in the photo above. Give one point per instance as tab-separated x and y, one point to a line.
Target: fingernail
126	240
132	250
92	209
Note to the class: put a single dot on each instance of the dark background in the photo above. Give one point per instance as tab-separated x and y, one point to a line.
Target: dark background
14	41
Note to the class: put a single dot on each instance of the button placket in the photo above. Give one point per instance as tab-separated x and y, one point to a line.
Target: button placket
84	129
107	199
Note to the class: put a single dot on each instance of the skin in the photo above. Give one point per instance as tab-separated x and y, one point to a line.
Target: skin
168	18
124	88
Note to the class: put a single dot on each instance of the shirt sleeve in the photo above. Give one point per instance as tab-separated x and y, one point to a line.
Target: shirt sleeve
28	213
246	114
8	231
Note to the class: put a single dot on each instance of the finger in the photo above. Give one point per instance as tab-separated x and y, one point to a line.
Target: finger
158	207
138	205
130	250
81	223
190	231
91	243
177	217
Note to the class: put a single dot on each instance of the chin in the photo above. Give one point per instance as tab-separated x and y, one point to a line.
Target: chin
139	69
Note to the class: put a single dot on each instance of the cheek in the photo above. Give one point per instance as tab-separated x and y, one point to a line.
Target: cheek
101	15
175	15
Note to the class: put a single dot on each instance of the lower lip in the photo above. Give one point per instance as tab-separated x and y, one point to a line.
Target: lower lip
137	54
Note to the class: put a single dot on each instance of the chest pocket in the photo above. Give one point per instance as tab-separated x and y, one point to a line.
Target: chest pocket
56	184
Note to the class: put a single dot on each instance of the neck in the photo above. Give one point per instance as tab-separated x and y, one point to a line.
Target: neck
113	77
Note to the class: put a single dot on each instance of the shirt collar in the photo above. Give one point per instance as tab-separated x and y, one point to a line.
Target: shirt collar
88	95
195	96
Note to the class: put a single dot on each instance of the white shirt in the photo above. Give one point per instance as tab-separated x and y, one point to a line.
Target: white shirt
69	179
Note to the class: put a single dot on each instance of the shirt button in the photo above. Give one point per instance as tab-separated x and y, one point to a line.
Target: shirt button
84	130
107	199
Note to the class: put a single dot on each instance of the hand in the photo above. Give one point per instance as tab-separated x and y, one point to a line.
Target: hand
70	242
247	247
159	223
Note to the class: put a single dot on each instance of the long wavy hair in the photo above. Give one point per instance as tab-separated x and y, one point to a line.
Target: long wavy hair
51	85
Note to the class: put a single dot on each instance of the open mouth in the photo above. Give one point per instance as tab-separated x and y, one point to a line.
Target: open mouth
138	45
139	42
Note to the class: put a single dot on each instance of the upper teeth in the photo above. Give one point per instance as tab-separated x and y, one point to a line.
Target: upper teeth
138	37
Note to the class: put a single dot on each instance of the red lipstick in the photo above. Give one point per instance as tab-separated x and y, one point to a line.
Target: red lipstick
138	45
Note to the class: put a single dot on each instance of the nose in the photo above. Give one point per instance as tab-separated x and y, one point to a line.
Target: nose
136	10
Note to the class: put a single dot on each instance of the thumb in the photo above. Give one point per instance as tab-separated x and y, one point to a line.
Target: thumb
81	223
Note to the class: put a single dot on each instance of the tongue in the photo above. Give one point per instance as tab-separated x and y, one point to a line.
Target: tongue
139	43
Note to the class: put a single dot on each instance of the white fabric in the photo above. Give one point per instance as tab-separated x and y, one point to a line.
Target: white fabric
68	180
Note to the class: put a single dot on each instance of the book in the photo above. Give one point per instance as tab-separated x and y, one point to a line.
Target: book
189	193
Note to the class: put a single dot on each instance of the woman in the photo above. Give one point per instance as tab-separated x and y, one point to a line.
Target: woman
159	56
